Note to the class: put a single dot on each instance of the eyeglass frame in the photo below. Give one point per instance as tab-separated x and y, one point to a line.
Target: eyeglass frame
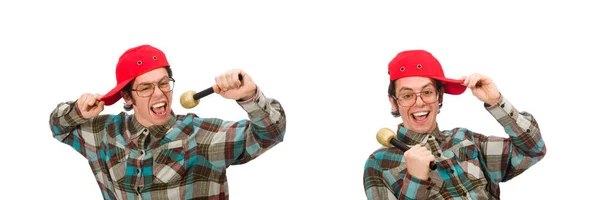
154	86
418	94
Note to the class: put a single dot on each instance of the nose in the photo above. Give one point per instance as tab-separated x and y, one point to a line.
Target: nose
157	91
419	101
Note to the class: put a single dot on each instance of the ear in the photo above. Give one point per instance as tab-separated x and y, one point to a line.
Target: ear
127	98
393	103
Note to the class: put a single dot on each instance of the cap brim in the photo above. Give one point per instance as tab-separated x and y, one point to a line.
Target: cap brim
452	86
115	94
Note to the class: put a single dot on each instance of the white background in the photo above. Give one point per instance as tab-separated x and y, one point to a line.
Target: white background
326	61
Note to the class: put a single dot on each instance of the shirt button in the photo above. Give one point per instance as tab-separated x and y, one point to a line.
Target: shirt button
449	154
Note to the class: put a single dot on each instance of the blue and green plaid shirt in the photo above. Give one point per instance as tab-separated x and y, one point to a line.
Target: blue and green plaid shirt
470	165
183	159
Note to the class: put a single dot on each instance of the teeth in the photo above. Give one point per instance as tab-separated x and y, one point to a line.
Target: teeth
420	114
158	105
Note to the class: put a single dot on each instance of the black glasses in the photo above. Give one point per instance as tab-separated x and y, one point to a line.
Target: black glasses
147	89
428	96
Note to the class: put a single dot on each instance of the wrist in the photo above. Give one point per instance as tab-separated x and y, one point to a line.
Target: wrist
495	101
248	97
421	177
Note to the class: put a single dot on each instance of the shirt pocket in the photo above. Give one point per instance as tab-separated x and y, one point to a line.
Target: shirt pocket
169	163
469	169
116	161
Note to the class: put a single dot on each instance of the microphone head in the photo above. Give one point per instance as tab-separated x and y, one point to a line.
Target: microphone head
187	99
384	136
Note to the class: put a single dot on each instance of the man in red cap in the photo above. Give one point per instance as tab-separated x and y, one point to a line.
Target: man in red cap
470	165
155	154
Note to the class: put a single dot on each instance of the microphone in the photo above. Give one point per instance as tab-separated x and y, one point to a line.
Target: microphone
387	137
191	99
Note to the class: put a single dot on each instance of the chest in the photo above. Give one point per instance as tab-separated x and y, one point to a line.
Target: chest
137	167
459	173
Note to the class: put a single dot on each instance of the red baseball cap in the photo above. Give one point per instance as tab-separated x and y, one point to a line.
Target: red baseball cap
422	63
134	62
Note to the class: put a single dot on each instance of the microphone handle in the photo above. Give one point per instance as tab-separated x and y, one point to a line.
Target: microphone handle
209	91
203	93
404	148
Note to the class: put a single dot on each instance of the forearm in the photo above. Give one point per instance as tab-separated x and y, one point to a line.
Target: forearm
525	145
69	127
267	119
414	188
375	185
379	193
237	142
521	127
64	118
381	186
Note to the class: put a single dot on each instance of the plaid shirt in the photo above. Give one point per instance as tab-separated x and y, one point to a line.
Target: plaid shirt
183	159
470	165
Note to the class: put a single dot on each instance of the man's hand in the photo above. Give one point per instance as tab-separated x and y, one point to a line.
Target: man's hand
89	105
482	87
417	161
229	86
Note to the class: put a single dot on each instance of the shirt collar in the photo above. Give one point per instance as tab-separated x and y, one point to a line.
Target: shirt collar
156	131
409	137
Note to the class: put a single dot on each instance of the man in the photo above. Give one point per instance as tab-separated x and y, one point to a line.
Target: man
470	164
155	154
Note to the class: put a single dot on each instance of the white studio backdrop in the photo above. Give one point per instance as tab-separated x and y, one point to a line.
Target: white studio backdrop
325	61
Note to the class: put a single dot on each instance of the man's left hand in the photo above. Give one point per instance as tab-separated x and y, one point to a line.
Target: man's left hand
482	87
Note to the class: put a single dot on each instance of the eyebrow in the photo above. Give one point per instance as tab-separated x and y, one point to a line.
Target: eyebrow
405	88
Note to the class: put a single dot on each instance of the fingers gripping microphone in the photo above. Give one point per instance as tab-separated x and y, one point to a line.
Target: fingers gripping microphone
191	99
387	137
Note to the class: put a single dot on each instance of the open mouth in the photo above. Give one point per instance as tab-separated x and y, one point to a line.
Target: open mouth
159	109
420	116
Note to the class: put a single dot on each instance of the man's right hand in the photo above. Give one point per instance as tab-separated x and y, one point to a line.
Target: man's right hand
89	105
417	161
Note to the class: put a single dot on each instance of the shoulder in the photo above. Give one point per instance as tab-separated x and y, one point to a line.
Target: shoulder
112	118
463	136
461	133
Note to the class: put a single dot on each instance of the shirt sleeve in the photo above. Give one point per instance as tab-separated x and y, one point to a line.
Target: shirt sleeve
378	188
508	157
69	127
238	142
